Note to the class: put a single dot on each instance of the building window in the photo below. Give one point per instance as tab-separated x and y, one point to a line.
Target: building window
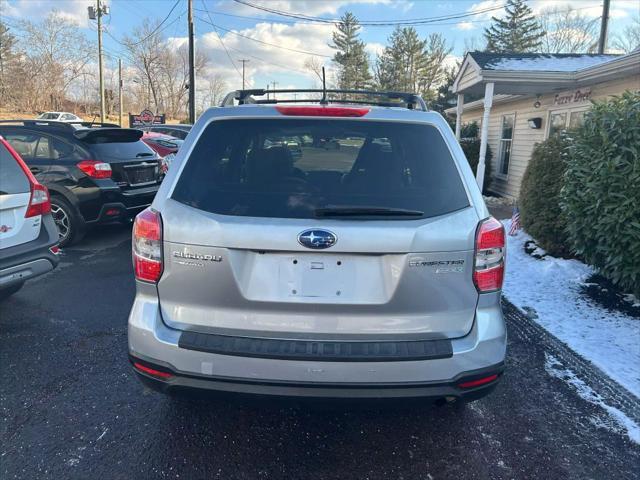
557	123
565	119
576	119
505	143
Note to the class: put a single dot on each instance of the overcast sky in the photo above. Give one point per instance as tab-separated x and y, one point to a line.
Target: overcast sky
269	63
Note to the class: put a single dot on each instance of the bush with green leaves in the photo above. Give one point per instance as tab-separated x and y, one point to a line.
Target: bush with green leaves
471	149
601	196
469	130
539	202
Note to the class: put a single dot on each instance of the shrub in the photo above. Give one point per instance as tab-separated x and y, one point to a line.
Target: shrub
539	201
471	149
601	196
469	130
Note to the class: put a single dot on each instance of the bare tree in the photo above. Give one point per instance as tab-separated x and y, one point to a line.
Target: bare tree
213	90
162	68
568	31
629	39
145	49
314	65
52	55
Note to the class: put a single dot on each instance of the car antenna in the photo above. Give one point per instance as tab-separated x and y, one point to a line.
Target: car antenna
93	120
323	101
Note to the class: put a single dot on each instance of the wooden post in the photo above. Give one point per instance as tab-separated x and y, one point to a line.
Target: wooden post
484	133
459	108
120	92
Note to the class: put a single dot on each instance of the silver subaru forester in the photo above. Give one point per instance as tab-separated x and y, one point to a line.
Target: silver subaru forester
326	249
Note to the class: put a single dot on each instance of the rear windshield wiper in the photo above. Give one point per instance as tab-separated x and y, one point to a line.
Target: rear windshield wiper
366	211
144	154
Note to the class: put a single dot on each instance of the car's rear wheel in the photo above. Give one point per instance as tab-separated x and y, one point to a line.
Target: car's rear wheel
67	219
8	291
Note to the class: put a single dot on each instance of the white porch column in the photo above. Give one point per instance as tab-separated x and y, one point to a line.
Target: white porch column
459	109
484	133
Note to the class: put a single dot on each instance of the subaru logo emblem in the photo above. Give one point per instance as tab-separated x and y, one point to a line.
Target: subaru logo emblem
317	239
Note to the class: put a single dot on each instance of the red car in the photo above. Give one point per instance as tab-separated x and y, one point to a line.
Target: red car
164	145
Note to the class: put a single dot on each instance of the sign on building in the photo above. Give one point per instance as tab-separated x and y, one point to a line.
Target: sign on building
145	118
577	96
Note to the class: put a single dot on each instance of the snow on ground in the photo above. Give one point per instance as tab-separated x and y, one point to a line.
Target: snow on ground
620	420
549	291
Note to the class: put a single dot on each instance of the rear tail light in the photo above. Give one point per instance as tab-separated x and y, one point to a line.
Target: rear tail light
39	203
488	269
95	168
322	111
147	246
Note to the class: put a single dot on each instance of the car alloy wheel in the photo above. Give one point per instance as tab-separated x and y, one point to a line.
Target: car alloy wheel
61	219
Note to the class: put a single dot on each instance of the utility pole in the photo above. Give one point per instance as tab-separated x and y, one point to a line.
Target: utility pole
120	92
192	72
274	87
243	62
96	13
604	27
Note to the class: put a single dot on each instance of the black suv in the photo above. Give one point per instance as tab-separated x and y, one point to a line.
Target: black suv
95	173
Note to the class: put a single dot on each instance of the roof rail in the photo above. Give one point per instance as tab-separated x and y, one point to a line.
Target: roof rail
411	101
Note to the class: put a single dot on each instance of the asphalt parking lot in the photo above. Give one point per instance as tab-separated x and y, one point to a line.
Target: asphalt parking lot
71	407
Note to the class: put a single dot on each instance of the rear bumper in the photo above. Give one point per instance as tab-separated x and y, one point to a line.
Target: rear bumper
181	383
153	344
31	259
116	204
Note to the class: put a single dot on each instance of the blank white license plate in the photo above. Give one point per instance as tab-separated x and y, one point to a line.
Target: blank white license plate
316	276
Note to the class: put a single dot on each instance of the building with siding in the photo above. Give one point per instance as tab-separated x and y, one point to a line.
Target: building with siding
521	99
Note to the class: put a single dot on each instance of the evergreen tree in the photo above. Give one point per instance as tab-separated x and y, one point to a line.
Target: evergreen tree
517	32
409	64
351	57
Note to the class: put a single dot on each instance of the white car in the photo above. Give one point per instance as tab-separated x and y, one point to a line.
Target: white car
28	233
59	116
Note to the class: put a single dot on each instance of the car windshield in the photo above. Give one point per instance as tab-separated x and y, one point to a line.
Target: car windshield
298	168
49	116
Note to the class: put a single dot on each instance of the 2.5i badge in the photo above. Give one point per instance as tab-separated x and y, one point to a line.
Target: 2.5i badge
439	266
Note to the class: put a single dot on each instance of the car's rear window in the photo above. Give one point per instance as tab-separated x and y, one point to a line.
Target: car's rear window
291	168
12	179
121	150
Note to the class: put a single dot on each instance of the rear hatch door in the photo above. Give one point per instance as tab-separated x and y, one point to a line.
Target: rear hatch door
133	163
246	222
15	193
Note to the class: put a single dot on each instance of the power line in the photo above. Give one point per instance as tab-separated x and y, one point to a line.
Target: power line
266	43
155	30
219	37
311	23
418	21
285	67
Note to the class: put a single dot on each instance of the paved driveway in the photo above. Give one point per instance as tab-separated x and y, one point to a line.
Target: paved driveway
71	408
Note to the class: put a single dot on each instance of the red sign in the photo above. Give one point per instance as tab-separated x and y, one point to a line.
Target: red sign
145	118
